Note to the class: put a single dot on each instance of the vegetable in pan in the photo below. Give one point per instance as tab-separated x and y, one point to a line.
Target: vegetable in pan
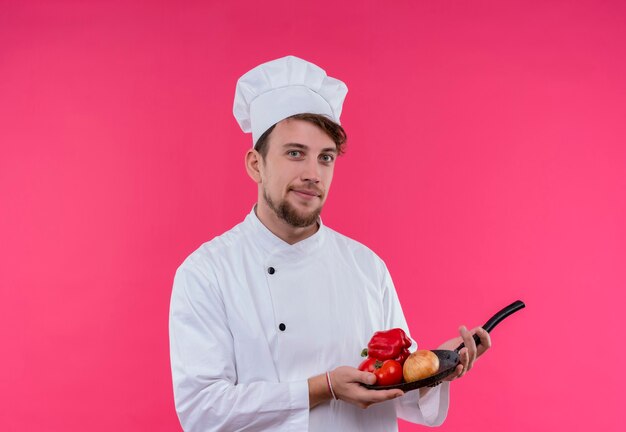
386	353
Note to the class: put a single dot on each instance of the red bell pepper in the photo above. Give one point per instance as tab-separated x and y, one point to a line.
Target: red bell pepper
389	344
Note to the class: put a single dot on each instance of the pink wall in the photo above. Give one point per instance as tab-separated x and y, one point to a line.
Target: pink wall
486	163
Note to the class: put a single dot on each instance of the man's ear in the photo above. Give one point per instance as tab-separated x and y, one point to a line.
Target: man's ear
253	165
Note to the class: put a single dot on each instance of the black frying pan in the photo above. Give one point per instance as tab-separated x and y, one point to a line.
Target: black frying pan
448	360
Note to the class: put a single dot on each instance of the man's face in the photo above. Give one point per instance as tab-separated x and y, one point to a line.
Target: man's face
297	171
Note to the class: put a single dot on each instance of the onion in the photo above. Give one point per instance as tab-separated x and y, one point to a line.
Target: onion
421	364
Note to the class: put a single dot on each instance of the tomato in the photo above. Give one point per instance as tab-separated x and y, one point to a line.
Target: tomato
389	373
369	364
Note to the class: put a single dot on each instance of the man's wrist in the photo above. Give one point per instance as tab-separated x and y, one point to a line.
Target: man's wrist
318	390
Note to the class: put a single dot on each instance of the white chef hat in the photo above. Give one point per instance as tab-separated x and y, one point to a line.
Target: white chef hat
284	87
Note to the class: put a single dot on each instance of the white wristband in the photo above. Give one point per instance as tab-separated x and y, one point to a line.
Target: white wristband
330	385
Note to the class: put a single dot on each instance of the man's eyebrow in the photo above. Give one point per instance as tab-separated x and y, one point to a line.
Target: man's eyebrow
304	147
296	145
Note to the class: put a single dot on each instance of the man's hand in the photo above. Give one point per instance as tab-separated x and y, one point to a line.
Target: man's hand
346	382
470	352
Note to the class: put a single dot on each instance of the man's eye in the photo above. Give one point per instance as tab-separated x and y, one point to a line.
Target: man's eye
327	158
294	153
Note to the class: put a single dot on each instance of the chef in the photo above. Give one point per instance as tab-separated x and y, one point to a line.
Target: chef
267	321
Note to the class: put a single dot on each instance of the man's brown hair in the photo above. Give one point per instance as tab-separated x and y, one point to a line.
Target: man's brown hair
330	128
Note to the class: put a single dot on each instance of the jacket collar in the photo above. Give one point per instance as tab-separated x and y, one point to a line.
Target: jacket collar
272	244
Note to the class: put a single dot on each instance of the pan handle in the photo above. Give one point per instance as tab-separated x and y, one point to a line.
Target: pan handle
495	320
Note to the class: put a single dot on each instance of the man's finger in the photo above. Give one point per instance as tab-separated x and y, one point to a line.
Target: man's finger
485	340
464	361
470	345
366	378
376	396
458	372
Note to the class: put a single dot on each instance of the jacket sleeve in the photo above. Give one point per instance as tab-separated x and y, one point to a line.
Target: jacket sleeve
432	409
206	392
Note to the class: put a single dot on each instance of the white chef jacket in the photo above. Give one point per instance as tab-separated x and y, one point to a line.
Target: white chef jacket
252	318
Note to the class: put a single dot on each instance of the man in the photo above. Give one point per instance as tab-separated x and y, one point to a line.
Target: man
268	320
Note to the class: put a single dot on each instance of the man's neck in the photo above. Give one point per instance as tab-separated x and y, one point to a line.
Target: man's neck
282	229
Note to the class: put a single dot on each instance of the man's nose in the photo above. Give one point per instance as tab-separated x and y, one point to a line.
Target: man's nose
311	172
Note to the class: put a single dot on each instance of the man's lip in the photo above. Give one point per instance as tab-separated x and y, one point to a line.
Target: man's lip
307	192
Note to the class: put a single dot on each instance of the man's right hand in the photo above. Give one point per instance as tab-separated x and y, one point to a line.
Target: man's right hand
346	382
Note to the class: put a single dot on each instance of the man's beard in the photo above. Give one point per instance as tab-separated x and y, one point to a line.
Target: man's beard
286	212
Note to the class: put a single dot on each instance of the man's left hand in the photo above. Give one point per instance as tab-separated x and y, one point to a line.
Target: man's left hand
470	352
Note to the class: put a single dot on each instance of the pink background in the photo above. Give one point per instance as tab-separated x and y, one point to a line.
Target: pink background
486	163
